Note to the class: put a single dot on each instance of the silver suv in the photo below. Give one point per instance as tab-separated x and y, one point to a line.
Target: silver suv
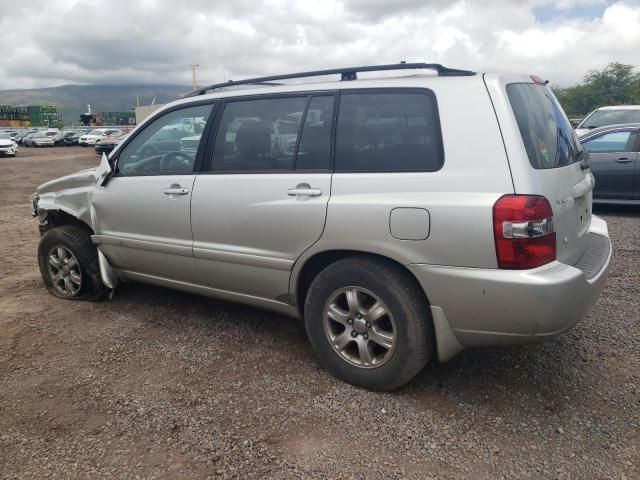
401	218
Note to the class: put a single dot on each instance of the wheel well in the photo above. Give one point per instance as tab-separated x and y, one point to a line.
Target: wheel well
57	218
314	265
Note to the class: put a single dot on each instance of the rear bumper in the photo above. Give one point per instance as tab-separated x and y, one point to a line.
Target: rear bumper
485	307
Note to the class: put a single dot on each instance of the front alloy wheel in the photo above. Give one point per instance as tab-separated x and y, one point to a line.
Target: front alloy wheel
64	271
69	265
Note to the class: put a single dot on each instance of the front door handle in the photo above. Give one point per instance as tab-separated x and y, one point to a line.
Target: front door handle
304	190
623	160
176	190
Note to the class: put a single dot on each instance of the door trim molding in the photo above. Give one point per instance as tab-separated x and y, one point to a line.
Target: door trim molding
134	244
243	259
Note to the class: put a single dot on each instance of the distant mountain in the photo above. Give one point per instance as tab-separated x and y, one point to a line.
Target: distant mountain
72	100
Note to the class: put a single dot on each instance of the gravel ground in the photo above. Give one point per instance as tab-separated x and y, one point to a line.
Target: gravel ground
162	384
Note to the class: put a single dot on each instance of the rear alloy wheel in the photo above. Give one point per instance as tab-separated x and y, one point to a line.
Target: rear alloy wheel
360	327
369	322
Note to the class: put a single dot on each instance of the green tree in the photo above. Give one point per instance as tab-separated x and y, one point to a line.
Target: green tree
616	84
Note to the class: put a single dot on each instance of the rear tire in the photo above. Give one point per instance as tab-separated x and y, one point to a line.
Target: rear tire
68	262
378	314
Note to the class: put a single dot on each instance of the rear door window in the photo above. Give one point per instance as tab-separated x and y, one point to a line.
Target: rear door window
314	151
612	142
259	135
388	132
548	136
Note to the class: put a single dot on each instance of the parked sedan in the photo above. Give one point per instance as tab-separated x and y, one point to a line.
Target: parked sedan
90	139
58	139
613	156
27	140
73	139
608	116
108	143
41	140
7	146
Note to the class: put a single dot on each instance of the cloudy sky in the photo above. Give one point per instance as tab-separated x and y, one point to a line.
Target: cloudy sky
56	42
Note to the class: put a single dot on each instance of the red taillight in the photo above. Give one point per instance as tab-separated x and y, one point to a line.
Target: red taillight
523	231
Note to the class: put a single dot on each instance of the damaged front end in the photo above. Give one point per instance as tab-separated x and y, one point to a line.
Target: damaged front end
69	200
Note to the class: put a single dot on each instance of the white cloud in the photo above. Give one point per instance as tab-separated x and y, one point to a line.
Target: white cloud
51	42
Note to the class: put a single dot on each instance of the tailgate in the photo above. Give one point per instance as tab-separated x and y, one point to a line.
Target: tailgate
569	191
545	157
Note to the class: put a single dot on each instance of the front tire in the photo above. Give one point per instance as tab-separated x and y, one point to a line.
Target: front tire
369	323
68	262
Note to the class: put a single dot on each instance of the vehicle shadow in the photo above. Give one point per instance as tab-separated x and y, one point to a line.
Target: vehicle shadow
481	375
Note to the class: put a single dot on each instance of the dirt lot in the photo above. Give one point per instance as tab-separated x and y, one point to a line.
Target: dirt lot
161	384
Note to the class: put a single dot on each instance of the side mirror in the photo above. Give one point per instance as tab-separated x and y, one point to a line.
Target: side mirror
103	171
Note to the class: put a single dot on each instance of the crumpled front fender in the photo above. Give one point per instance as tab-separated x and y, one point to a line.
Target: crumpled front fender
73	194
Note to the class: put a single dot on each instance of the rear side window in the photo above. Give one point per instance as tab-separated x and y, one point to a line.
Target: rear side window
388	132
548	136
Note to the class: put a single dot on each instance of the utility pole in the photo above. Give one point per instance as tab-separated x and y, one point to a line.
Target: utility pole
193	75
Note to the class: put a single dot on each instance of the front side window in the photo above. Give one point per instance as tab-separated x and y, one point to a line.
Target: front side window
259	135
548	136
167	145
387	132
612	142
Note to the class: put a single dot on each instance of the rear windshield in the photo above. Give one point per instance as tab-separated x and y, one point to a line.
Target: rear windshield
602	118
548	136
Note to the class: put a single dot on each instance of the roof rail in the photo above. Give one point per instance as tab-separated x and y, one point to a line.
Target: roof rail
349	73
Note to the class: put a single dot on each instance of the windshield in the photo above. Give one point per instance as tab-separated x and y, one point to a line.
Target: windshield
96	132
601	118
4	136
548	136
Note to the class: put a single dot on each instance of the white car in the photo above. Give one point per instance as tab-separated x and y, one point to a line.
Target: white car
42	140
94	135
605	116
7	146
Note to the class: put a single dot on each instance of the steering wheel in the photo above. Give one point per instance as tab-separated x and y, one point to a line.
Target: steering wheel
171	160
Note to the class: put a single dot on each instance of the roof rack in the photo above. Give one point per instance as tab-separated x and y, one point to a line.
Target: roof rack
347	74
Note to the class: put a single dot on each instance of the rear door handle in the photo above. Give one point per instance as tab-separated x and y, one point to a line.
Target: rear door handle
304	190
176	191
623	160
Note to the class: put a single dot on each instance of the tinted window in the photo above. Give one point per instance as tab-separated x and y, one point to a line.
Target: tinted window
259	134
167	145
386	132
314	152
548	136
612	142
